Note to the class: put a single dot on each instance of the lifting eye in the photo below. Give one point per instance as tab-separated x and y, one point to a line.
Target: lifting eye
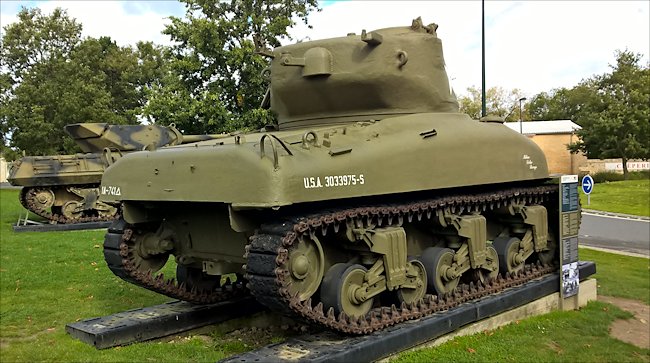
403	58
307	140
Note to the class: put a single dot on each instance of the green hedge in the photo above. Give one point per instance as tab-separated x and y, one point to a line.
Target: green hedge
611	176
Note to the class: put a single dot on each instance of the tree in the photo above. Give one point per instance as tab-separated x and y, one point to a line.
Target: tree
616	123
499	102
214	82
565	103
50	77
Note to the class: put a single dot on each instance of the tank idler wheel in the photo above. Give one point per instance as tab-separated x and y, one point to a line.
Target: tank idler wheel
72	209
439	262
339	290
411	295
490	270
306	267
509	258
194	278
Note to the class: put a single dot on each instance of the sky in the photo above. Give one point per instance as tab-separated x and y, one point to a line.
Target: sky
533	46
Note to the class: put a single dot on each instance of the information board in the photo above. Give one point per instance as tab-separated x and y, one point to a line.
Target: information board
569	226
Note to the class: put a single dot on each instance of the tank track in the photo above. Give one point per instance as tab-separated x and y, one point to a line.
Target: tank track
117	256
268	252
27	200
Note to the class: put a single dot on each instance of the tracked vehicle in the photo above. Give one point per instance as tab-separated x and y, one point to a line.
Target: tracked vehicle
65	188
373	202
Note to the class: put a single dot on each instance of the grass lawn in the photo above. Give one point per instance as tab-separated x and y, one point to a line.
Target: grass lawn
629	197
620	275
561	336
50	279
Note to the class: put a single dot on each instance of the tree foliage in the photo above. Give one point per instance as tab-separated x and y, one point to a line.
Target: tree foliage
214	82
52	77
613	110
498	102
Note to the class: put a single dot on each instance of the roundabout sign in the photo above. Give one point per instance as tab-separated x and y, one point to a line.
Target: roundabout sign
587	187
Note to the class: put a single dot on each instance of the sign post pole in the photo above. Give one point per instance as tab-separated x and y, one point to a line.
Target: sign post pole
587	187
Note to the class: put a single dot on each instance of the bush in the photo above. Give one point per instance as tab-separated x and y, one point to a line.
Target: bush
607	176
612	176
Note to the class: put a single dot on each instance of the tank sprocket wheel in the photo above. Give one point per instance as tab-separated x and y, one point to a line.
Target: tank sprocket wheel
339	287
306	266
43	198
143	260
438	261
508	250
412	295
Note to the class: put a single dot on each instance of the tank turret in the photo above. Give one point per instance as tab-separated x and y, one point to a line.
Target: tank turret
368	76
95	137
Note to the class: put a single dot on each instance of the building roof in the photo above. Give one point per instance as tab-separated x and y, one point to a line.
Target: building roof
545	127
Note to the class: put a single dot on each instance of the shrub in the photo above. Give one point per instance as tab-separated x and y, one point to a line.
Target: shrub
607	176
611	176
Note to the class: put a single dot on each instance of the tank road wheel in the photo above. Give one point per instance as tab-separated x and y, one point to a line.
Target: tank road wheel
306	267
418	275
438	262
105	210
72	209
194	278
339	288
509	258
144	254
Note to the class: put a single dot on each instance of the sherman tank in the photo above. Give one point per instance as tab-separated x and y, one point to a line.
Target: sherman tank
65	188
373	201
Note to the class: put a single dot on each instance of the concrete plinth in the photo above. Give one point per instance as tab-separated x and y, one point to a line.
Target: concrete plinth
587	292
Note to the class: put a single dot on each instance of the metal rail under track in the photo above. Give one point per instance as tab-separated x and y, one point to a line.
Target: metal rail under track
46	227
157	321
331	347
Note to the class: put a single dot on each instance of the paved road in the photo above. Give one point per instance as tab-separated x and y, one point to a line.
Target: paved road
614	232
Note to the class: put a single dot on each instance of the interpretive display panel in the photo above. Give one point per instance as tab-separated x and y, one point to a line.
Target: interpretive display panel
569	226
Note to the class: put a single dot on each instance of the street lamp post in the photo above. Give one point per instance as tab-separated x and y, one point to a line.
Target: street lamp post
521	131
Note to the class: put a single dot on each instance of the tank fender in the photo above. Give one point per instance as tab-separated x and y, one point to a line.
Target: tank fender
239	221
133	214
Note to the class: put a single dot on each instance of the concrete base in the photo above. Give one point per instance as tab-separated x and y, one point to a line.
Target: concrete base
587	292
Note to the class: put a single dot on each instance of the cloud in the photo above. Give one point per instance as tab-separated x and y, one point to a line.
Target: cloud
126	22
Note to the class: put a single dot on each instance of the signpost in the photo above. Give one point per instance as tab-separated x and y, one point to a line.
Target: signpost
587	187
569	225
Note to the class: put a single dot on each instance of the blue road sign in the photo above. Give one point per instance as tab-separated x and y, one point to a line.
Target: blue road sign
587	184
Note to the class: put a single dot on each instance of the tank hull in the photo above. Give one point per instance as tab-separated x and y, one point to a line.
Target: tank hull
402	154
77	169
